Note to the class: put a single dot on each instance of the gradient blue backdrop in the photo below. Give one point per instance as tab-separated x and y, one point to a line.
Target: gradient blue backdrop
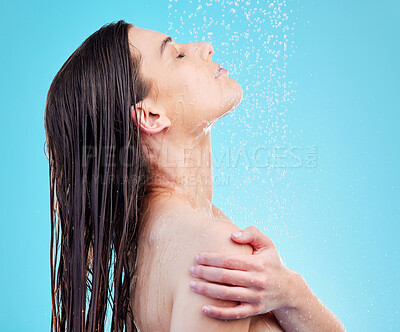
341	227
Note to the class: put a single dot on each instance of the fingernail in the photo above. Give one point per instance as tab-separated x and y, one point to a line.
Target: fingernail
192	284
237	234
206	310
191	269
196	258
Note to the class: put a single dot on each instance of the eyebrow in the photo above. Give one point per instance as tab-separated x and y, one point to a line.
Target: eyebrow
163	44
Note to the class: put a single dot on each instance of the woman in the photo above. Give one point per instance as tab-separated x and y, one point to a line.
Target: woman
128	120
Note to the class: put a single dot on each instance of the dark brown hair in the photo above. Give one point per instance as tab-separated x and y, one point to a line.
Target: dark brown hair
98	177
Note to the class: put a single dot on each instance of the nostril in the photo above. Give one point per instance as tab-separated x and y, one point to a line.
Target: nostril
209	50
206	50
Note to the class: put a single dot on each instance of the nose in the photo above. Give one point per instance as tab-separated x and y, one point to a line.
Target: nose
206	51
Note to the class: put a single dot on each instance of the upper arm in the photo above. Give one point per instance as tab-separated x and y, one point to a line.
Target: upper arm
187	314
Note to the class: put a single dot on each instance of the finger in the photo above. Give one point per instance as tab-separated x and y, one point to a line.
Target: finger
240	311
234	262
253	236
225	276
222	292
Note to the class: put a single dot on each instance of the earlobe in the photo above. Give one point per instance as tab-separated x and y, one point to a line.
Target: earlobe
150	122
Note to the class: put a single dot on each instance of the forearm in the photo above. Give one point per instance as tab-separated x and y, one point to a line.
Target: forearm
307	313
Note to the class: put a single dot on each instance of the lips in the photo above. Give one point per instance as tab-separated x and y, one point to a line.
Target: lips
221	71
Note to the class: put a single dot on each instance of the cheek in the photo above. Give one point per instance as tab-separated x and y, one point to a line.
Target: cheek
204	100
197	91
197	80
199	98
207	92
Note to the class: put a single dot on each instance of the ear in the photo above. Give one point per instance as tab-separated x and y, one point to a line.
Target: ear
152	120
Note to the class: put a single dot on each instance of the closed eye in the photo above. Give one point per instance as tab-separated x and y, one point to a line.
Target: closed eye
181	55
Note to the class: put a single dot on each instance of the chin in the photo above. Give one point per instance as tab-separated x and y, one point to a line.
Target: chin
236	94
232	97
239	94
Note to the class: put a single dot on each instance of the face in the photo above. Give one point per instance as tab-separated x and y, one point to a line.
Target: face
185	86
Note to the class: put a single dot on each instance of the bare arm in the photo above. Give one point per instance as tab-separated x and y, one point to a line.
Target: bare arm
307	312
265	323
187	314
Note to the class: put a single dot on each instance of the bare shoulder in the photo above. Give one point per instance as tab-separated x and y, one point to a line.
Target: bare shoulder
185	226
192	233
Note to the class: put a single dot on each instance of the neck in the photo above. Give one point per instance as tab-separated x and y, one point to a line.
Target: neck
183	167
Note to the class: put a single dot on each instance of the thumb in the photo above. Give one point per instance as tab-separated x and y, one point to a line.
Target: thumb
253	236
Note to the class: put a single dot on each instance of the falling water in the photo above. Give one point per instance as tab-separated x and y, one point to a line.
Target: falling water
254	40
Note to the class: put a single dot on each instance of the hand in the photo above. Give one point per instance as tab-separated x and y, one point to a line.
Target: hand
261	282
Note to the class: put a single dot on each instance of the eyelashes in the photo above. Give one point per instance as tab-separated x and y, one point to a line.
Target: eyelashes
181	54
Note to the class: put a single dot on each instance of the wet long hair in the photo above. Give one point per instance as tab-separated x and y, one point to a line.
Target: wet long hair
98	176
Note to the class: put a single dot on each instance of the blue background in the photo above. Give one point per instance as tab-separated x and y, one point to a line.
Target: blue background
326	86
